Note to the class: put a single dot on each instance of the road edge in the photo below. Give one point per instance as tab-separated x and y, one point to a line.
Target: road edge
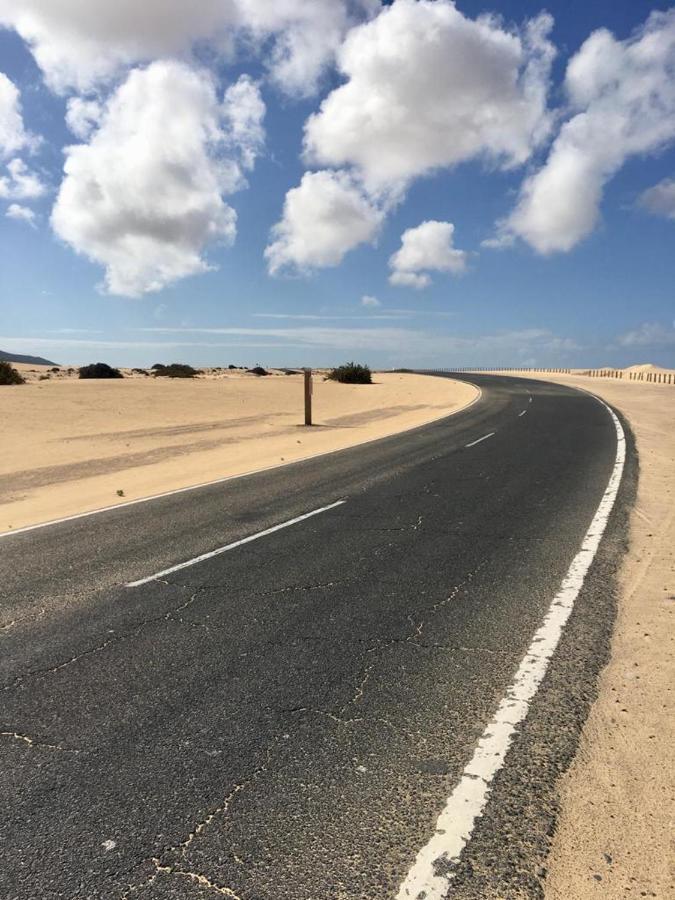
516	828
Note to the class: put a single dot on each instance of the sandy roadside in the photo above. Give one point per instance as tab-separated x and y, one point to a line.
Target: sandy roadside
70	445
614	834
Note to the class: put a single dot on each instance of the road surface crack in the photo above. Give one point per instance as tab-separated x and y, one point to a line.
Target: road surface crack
115	637
164	867
196	877
34	742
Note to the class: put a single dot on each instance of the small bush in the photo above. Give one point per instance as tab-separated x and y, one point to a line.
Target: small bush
231	366
351	373
55	369
258	370
9	375
99	370
44	377
140	371
158	366
176	370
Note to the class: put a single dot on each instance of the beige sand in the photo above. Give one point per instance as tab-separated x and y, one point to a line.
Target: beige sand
614	837
71	445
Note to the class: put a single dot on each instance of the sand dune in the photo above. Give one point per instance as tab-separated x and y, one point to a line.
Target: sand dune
71	445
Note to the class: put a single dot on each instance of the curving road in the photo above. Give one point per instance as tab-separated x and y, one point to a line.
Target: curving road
286	719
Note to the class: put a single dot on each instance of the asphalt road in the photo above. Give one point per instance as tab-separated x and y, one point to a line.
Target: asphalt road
285	721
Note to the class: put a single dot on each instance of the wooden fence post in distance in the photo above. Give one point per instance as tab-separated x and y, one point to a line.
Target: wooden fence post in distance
308	396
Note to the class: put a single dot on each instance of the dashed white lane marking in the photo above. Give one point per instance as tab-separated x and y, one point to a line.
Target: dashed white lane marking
467	802
226	547
522	413
484	438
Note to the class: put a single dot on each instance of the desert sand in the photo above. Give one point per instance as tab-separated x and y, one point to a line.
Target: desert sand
614	835
73	445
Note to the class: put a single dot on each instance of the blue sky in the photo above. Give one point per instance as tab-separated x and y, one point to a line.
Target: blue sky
569	170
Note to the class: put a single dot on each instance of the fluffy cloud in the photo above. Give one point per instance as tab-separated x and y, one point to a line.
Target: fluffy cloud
243	113
144	196
428	247
79	44
22	183
623	93
369	301
428	88
20	213
660	199
13	135
83	116
324	217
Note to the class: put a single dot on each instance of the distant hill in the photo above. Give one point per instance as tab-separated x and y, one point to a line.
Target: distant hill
29	360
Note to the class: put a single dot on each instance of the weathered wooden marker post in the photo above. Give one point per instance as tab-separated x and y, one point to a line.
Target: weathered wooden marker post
308	396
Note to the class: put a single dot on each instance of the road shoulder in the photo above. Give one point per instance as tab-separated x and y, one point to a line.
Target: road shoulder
614	802
613	834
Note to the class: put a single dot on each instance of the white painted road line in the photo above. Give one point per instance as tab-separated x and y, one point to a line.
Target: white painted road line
522	413
246	540
484	438
468	800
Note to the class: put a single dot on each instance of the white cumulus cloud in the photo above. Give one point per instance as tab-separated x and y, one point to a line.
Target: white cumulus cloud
428	88
20	213
324	217
623	97
144	196
660	199
13	134
369	301
428	247
83	116
81	43
21	183
243	112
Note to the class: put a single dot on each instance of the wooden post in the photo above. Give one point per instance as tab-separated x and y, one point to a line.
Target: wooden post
308	396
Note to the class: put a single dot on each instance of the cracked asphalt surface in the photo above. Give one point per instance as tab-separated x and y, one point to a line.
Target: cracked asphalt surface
286	720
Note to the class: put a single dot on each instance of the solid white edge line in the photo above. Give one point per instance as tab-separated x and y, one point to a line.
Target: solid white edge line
465	805
226	547
484	438
205	484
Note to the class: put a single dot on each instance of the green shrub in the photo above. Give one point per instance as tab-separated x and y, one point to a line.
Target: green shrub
351	373
99	370
9	375
175	370
258	370
140	371
158	366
